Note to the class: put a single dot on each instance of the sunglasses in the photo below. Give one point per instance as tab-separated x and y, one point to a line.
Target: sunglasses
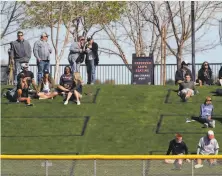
209	100
205	64
20	35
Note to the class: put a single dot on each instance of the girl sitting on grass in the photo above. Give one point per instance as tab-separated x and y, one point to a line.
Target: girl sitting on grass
46	87
77	89
206	112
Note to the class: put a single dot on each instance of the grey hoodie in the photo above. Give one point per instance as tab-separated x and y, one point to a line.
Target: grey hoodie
74	52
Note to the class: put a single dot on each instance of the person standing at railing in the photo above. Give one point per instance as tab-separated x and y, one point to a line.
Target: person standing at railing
208	145
220	75
20	53
92	60
178	147
205	75
77	54
42	52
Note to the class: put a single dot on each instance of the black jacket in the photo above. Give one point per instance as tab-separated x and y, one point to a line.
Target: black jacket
203	78
177	148
95	53
220	73
179	75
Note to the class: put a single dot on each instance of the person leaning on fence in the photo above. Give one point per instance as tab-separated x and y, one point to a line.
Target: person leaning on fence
180	74
42	51
46	87
206	113
187	88
178	147
205	75
92	60
208	145
77	54
220	76
20	53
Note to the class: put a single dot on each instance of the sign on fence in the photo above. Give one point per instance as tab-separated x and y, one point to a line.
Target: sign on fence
142	70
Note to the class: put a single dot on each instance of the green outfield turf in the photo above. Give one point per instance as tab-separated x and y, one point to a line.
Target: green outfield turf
111	120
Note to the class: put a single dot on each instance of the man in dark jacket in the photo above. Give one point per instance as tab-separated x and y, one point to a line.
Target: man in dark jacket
20	52
220	76
178	147
92	60
180	74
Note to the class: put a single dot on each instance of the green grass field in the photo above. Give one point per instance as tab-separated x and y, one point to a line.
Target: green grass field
123	120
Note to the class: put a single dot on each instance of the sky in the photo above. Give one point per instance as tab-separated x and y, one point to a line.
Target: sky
213	56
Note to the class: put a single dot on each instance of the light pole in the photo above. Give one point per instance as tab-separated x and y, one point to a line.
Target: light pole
193	40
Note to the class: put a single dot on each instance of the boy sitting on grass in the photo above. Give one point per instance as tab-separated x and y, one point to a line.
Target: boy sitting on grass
187	88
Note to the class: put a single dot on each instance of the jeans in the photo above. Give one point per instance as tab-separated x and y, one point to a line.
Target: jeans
91	71
42	65
75	67
17	70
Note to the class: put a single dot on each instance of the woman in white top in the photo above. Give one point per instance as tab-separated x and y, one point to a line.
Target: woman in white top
46	87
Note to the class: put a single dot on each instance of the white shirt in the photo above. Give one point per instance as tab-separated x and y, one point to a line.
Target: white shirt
46	86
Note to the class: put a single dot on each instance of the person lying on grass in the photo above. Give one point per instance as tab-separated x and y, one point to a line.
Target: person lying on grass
67	86
46	87
208	145
187	88
206	112
178	147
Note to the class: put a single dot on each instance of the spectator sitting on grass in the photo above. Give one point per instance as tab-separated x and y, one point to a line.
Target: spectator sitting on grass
76	91
206	112
25	79
205	75
67	85
208	145
180	74
178	147
220	76
46	86
187	88
23	90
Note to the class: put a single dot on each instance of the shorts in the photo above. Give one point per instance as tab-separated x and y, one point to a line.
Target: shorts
184	91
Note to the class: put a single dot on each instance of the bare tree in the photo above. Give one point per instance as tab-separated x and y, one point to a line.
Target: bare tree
12	14
178	14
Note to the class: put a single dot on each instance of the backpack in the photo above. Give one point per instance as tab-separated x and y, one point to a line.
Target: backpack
219	92
11	95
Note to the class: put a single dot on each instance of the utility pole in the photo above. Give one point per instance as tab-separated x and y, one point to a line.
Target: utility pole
193	40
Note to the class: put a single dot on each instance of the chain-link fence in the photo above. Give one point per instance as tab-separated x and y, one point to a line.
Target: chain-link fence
148	167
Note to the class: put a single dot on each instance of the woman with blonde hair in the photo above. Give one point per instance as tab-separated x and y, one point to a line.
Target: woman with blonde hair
46	87
76	90
206	112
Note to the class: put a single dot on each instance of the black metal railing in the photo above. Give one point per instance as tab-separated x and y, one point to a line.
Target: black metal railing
117	73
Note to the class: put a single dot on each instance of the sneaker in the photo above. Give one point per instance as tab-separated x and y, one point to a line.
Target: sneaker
197	166
17	101
78	102
30	104
188	120
213	123
66	102
41	98
206	125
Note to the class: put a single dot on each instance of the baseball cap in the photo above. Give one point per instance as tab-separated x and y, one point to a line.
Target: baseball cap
44	34
24	65
185	63
46	71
